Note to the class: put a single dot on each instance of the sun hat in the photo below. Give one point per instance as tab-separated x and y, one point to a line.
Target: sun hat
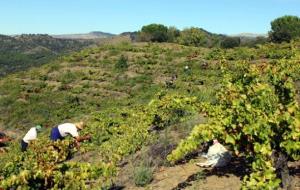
80	125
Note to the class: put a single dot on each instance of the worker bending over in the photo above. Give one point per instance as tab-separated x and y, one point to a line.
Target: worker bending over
61	131
30	136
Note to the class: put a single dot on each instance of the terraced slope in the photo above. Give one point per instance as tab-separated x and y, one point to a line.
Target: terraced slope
139	100
89	81
21	52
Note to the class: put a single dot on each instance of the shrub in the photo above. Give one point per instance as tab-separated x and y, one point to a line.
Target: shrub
68	77
121	63
279	54
230	42
173	33
143	175
215	54
198	37
153	33
193	37
241	53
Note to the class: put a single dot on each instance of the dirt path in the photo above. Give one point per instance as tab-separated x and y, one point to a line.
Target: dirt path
188	176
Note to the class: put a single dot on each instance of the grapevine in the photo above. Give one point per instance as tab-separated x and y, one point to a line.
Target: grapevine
256	115
46	165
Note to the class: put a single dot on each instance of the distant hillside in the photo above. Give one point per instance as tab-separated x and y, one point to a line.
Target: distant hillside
88	36
251	39
28	50
249	35
132	35
89	80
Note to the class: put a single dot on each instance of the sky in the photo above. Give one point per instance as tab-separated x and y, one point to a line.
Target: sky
117	16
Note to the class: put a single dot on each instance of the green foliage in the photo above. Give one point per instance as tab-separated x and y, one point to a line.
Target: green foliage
193	37
68	77
173	33
124	108
279	54
230	42
154	33
241	53
285	29
271	51
45	166
119	132
169	109
256	114
22	52
78	88
122	63
143	176
215	54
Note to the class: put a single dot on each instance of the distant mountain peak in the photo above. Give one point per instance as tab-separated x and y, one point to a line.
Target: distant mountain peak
85	36
250	35
100	33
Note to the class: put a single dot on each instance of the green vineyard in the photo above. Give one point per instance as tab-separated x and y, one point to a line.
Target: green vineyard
130	94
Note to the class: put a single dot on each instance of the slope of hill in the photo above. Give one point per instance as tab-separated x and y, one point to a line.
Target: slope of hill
87	36
138	99
88	80
24	51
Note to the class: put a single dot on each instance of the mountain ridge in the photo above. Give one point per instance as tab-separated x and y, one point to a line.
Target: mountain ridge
249	35
21	52
85	36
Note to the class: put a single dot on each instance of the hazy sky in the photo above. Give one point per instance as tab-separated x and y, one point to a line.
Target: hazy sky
116	16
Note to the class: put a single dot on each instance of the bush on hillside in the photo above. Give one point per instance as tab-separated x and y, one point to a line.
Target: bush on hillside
190	37
143	176
153	33
285	29
121	63
197	37
230	42
173	34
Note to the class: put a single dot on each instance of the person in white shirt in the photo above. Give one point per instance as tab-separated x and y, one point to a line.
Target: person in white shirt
30	136
217	156
61	131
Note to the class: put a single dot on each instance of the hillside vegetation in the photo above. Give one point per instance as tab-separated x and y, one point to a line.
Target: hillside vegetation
139	95
193	36
21	52
91	80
